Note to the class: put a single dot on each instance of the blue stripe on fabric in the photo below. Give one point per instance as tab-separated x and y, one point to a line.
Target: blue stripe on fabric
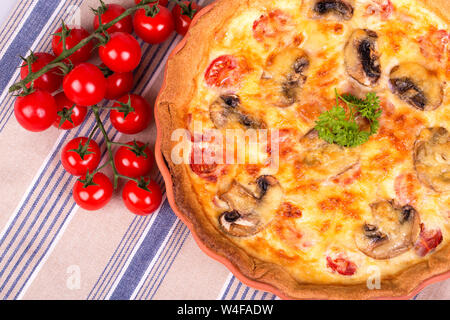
135	222
228	288
145	253
41	209
254	295
36	251
36	21
163	260
156	267
170	263
233	297
244	295
123	257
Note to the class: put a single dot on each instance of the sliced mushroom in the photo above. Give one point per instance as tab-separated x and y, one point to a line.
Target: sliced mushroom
432	158
361	57
250	213
393	231
322	160
417	86
333	8
225	113
286	73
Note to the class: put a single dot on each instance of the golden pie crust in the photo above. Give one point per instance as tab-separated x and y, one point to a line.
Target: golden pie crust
173	103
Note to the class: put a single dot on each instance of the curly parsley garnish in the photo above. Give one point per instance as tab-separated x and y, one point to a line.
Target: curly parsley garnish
339	126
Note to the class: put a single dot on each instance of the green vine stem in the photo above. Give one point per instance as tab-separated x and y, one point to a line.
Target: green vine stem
66	53
109	145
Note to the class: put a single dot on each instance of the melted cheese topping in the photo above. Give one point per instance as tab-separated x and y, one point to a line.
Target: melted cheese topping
318	218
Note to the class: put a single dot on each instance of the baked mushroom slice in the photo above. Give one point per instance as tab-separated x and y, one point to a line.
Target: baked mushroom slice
322	160
432	158
225	113
361	57
417	86
250	213
393	231
286	72
338	9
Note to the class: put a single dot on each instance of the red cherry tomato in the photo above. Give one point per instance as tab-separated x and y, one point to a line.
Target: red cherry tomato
67	108
134	163
183	19
73	161
94	196
50	81
122	53
140	201
155	29
342	266
161	2
113	11
85	85
118	84
225	71
35	112
76	35
135	121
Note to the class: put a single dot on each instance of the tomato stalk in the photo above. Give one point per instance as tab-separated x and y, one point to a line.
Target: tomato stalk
109	145
66	53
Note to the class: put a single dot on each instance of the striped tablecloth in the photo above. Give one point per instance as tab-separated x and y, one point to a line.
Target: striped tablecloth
52	249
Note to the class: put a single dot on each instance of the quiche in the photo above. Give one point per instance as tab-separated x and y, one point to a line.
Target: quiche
308	216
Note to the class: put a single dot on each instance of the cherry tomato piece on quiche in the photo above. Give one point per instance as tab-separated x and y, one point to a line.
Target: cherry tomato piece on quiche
225	71
142	200
85	85
122	53
95	194
118	84
75	36
160	2
70	115
111	12
36	111
132	115
183	16
78	156
134	162
49	81
342	266
156	27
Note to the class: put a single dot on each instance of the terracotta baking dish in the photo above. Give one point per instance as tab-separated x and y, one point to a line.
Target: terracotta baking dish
170	196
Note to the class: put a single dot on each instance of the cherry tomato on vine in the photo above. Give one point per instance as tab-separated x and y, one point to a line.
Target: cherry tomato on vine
36	111
122	53
75	35
118	84
140	201
111	12
155	27
132	116
160	2
93	194
49	81
134	162
85	85
68	110
183	18
78	157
